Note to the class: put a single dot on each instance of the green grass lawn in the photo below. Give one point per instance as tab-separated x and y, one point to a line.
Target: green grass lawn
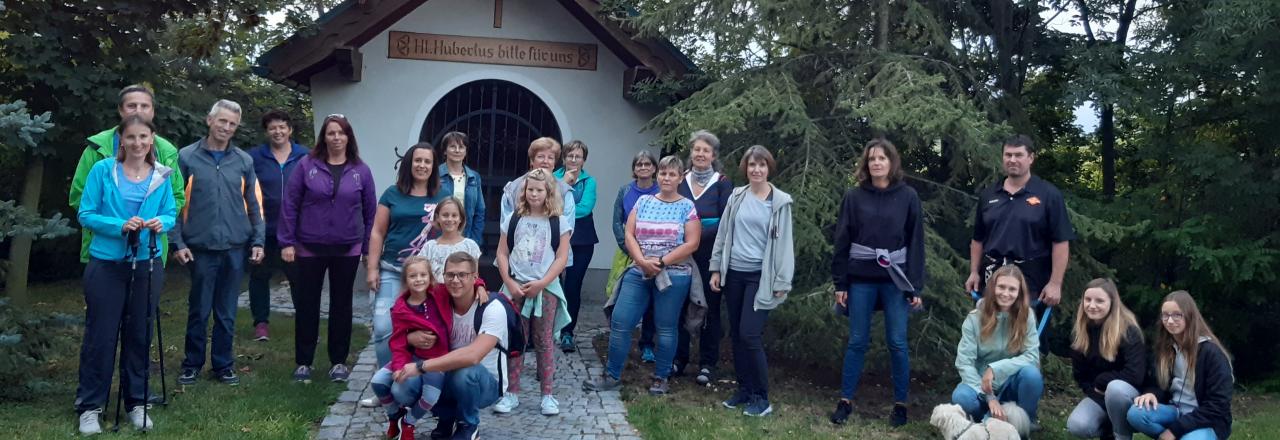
801	407
266	405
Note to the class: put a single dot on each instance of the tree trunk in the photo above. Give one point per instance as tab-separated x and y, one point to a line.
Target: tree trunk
1107	133
882	25
20	249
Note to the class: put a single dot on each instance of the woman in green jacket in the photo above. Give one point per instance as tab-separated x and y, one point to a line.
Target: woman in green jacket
999	352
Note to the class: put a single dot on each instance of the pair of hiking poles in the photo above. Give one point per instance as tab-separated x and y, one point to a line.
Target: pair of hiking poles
153	313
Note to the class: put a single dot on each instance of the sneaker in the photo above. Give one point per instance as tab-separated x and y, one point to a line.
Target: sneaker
188	376
677	369
506	404
339	373
228	377
705	376
550	406
260	332
393	424
466	431
899	416
647	356
371	402
566	344
406	430
660	387
842	412
759	407
89	423
443	430
602	383
302	374
140	420
739	398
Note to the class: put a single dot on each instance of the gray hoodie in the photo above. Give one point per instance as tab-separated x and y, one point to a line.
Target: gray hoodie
780	259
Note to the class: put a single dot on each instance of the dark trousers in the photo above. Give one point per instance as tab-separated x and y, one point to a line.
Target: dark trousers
648	330
573	276
215	288
260	280
115	298
746	330
306	302
1037	273
709	337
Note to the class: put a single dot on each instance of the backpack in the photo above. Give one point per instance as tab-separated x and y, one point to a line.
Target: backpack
516	343
554	221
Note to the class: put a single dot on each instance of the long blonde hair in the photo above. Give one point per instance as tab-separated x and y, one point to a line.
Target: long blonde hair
1115	326
1188	341
1018	314
553	202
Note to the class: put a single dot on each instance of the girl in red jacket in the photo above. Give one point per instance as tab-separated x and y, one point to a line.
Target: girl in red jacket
417	308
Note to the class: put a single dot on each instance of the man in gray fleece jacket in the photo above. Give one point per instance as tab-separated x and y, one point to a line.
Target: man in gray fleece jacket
221	223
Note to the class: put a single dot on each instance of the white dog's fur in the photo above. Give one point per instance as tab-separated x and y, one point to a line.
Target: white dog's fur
955	424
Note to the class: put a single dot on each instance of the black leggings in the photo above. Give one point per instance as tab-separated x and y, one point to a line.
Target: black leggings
306	302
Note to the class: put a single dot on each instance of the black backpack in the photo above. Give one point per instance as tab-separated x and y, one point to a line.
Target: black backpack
515	332
554	221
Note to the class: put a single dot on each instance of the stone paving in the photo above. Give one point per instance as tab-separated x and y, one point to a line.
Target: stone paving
583	415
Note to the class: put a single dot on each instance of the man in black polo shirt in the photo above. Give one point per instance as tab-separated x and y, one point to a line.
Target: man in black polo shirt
1022	220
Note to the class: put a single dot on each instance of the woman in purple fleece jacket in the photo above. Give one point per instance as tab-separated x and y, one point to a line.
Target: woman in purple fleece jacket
325	220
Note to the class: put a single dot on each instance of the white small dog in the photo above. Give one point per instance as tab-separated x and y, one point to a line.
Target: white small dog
955	424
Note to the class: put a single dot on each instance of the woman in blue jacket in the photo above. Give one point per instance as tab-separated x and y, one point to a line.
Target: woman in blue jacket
463	183
584	239
126	197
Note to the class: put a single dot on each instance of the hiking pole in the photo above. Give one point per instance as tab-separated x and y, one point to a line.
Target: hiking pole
164	392
146	377
131	254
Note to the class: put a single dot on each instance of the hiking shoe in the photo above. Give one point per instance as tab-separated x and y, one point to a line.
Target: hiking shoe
406	430
899	416
660	387
466	431
371	402
89	423
602	383
260	332
393	424
188	376
302	374
228	377
842	412
739	398
759	407
506	404
647	356
444	429
339	373
566	344
550	406
139	419
705	376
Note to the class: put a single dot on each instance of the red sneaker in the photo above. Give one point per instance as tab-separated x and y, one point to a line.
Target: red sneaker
393	425
406	430
260	332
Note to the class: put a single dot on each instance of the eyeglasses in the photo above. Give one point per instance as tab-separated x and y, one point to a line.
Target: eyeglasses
448	276
1171	317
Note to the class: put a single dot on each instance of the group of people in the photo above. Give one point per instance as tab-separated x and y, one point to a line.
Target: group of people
688	242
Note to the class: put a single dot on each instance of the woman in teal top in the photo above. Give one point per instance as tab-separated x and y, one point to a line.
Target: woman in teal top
584	237
400	228
128	196
999	352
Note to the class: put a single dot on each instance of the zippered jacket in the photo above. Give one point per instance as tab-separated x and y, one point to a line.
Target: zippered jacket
224	209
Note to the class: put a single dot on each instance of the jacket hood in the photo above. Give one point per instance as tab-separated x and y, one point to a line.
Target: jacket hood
264	150
779	200
892	188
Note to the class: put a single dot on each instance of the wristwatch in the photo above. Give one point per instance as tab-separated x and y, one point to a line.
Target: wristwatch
419	365
661	264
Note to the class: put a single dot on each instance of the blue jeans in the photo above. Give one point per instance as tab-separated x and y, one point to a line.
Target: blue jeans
1025	388
1153	422
862	302
419	393
215	286
466	390
385	297
633	299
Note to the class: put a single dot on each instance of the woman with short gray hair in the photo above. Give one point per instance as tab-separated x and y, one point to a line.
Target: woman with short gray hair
709	190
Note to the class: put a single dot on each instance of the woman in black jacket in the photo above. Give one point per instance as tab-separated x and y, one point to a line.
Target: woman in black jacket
1188	392
1108	362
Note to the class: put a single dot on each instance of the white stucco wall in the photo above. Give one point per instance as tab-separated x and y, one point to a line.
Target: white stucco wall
388	107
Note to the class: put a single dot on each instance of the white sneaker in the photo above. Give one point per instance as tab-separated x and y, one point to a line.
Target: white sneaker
550	406
140	421
371	402
89	424
507	403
